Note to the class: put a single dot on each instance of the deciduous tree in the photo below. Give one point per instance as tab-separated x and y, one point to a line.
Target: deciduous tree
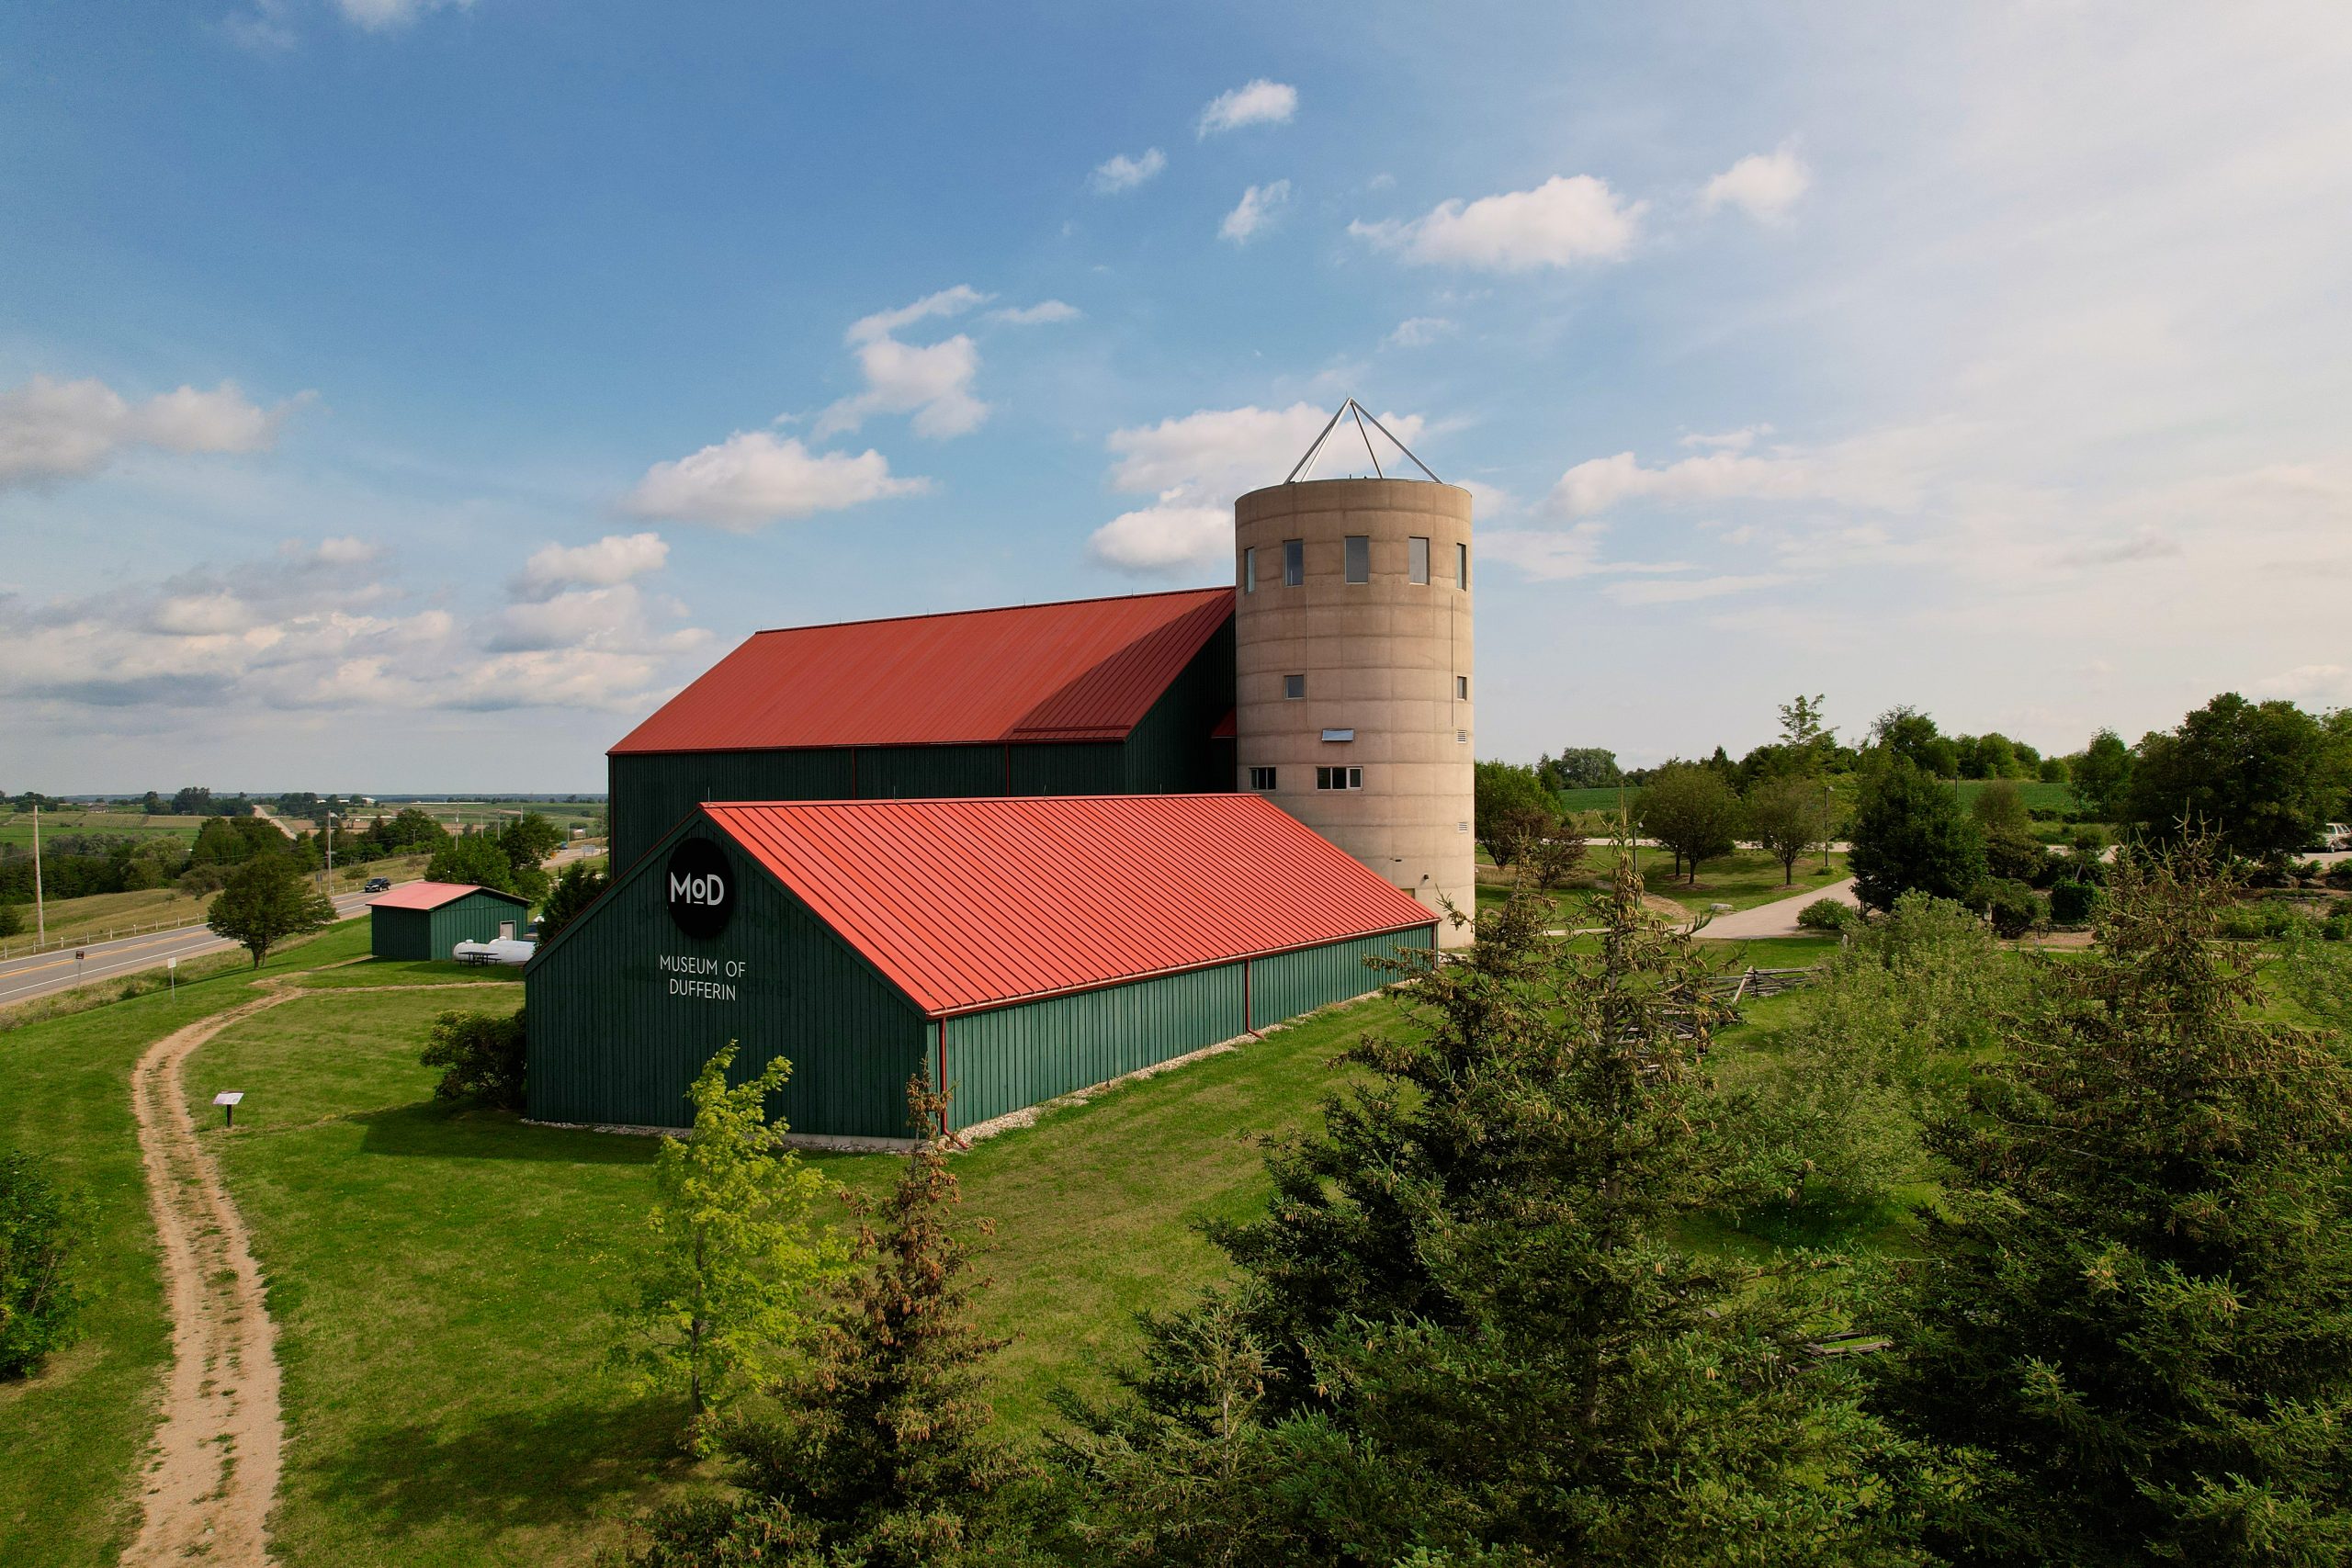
1908	834
1690	809
2264	776
265	901
730	1249
1784	815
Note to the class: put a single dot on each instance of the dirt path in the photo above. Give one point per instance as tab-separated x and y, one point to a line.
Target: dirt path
213	1472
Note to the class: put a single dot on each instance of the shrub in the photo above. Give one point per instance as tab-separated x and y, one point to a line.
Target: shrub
12	919
39	1229
2012	854
2072	902
2013	908
481	1056
2339	874
1828	915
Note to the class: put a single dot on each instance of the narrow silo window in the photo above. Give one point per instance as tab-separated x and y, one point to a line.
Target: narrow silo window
1293	687
1261	778
1462	566
1294	562
1462	688
1358	558
1416	560
1249	570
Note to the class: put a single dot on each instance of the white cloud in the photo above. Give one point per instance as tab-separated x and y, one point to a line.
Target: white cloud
753	478
1566	220
1738	440
1164	539
59	430
1765	185
1600	483
1254	211
1197	465
1259	102
271	638
1043	313
946	302
347	551
932	381
1546	554
1119	172
383	15
611	561
2321	685
1419	332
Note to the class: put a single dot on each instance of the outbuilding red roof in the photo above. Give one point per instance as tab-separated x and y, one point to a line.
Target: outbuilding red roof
967	904
433	894
1088	669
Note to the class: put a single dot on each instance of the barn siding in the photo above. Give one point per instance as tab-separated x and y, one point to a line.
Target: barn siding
1002	1060
1288	984
608	1042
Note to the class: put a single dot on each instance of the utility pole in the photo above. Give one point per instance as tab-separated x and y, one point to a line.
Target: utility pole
40	920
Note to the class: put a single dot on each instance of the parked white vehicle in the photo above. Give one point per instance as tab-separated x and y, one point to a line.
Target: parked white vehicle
2339	836
505	950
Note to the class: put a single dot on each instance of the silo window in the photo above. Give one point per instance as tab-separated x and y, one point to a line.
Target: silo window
1261	778
1294	562
1462	566
1358	558
1338	778
1249	570
1416	560
1293	687
1462	688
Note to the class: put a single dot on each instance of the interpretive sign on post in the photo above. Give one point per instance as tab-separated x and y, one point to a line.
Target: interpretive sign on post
227	1100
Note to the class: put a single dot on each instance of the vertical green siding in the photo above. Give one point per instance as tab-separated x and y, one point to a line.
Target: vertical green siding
1170	753
1098	767
609	1042
474	918
399	933
925	773
651	794
1000	1061
1289	984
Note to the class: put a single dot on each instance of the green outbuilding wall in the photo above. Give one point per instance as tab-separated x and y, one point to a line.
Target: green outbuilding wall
431	933
617	1036
1169	752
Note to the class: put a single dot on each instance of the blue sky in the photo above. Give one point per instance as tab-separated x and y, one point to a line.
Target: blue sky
399	396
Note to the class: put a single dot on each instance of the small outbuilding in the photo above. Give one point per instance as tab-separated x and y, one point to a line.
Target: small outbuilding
1019	948
426	919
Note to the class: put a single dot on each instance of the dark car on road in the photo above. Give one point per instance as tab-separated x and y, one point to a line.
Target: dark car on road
378	885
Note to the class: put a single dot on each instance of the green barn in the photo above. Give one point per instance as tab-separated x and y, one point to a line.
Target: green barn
1016	948
425	919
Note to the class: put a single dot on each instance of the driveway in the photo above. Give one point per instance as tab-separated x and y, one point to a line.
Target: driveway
1778	917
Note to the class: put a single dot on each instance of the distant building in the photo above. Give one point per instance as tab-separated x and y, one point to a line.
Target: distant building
428	919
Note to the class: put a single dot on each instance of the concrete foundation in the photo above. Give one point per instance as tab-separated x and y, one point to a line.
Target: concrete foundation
1388	659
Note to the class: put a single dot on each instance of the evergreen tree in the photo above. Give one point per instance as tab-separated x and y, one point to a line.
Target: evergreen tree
1910	836
1465	1330
2135	1300
875	1448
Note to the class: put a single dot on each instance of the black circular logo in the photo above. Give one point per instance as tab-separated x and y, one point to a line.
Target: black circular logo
701	887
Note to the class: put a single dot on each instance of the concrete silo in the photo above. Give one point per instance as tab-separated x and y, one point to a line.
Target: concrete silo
1353	673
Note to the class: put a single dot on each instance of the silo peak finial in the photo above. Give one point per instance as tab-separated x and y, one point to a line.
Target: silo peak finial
1362	415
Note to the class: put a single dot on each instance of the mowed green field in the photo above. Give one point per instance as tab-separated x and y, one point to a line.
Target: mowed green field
1742	879
2038	795
17	828
440	1275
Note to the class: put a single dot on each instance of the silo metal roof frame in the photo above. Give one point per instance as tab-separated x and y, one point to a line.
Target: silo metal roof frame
1362	413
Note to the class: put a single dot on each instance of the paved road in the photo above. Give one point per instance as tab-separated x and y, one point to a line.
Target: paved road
1778	917
38	973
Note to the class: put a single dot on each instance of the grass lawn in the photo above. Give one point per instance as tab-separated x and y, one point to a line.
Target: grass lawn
410	971
17	828
71	1438
90	917
1743	879
438	1275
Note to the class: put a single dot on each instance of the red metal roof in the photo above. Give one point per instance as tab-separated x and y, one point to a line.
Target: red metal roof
967	904
433	894
1083	670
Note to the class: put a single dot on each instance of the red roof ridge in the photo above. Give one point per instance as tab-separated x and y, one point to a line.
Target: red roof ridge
992	609
433	894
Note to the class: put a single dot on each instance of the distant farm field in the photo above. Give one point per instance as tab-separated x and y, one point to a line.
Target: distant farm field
18	828
2038	795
